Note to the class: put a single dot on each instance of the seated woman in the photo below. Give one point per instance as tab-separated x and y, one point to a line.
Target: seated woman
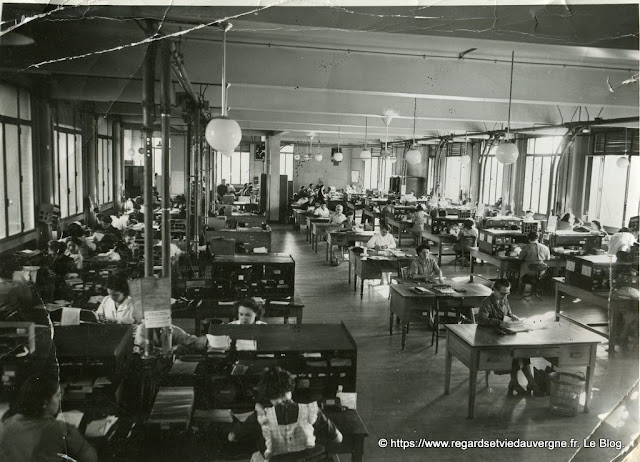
533	252
74	244
280	425
425	266
248	312
419	220
31	432
382	240
493	311
467	237
57	260
117	307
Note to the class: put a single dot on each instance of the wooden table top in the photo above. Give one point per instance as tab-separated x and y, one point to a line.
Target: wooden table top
551	334
472	289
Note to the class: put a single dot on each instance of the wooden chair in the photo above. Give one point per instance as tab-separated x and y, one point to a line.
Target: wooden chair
539	268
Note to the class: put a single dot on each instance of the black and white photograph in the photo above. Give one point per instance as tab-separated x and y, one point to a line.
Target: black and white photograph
319	230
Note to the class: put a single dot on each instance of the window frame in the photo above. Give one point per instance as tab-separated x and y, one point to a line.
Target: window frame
543	180
228	175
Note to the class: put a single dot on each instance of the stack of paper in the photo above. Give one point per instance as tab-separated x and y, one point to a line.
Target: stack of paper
218	342
246	345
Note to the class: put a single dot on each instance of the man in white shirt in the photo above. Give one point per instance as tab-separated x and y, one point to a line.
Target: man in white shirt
383	240
322	211
622	240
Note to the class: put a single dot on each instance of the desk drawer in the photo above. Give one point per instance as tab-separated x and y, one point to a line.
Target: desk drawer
541	352
494	360
577	355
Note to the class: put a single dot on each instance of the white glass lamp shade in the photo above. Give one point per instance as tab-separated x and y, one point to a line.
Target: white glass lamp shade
465	159
365	154
223	134
507	153
318	157
413	156
227	153
338	157
622	162
131	152
296	156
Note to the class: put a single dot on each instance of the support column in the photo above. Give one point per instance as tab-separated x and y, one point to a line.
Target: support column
43	162
148	105
165	119
474	184
118	160
90	147
273	177
187	184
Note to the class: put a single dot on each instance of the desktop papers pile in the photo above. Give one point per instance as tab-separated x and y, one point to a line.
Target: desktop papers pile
218	343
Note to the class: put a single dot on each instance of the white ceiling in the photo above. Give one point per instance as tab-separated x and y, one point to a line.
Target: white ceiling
328	69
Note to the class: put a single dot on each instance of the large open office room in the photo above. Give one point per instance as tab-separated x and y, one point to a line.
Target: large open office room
421	217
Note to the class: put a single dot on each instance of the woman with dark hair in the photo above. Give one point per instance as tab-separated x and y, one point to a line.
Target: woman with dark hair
419	219
282	426
117	306
30	431
424	267
248	311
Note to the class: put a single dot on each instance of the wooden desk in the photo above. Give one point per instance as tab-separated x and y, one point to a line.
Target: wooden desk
312	219
365	267
600	300
483	349
94	344
507	265
246	206
251	237
353	431
345	239
445	243
400	226
299	218
251	219
405	301
374	216
321	229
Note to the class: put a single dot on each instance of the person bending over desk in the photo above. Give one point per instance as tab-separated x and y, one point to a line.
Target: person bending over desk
493	311
282	426
30	431
382	240
248	312
117	307
425	266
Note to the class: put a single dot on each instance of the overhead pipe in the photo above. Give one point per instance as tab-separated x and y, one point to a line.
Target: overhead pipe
148	106
165	119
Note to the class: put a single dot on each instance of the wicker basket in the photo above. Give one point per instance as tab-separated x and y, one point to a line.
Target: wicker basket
565	390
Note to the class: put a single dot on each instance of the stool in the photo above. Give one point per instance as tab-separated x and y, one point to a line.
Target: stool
539	268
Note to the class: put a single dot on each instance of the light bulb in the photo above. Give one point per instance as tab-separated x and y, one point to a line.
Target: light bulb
318	157
338	156
223	134
622	162
296	156
413	156
507	153
365	154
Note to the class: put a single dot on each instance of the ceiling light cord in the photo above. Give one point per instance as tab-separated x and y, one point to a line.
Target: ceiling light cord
415	106
510	94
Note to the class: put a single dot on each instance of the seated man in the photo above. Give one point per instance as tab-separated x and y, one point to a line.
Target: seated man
425	266
382	240
467	237
533	252
322	211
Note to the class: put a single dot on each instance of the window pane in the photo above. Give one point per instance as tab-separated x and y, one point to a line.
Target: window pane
225	168
452	178
633	195
246	167
71	169
535	190
367	174
79	176
13	173
613	186
218	165
593	184
108	170
25	105
235	168
544	184
3	221
26	150
62	174
528	177
8	101
283	164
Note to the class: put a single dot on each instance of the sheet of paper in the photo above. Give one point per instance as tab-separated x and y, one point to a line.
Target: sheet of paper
348	400
70	316
246	345
218	342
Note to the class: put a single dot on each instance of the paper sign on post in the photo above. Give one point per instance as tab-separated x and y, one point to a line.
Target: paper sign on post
157	318
151	296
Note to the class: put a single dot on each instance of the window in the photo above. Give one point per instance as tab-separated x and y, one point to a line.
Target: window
537	175
286	161
17	205
457	173
68	153
377	173
234	169
491	178
612	193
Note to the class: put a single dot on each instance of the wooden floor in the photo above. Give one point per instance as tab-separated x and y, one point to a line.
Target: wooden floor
400	393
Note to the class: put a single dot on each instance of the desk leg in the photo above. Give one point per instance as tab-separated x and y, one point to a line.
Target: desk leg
361	287
390	321
472	259
447	368
590	369
316	242
326	257
440	254
557	301
358	449
473	376
405	330
349	273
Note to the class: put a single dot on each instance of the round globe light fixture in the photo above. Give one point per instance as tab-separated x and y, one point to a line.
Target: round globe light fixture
318	157
507	153
466	159
365	154
296	156
413	156
622	162
338	156
223	134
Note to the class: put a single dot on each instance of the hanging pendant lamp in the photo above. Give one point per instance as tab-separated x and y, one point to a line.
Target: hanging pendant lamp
413	155
318	156
338	156
296	156
507	152
365	153
223	134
